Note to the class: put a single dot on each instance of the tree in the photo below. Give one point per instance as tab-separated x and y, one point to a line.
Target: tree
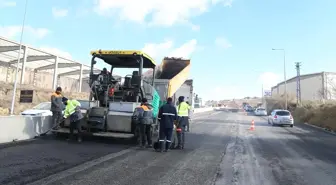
329	91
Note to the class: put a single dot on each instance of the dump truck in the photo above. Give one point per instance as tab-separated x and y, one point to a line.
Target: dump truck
170	75
186	90
117	98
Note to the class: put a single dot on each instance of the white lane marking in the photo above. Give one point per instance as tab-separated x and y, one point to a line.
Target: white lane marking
72	171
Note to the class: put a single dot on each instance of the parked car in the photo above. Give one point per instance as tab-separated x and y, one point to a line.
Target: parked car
249	108
260	112
281	117
42	109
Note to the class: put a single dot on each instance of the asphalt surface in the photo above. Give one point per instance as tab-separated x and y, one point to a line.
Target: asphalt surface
37	159
220	149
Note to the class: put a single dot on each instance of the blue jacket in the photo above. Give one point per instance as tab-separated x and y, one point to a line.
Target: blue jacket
167	116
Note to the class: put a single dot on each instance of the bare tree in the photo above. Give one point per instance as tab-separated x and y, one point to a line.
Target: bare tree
329	91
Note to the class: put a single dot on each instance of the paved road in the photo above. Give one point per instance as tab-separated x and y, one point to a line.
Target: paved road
40	158
220	150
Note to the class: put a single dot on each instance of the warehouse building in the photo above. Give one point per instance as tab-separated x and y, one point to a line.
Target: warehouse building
316	86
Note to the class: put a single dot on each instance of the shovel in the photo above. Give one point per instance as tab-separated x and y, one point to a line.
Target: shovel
45	133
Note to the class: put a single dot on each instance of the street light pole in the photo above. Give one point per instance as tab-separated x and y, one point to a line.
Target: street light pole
285	79
262	93
18	60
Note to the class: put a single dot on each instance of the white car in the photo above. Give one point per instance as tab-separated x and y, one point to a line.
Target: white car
42	109
260	112
281	117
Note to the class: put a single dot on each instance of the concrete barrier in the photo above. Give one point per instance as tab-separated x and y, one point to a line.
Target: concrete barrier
205	109
19	128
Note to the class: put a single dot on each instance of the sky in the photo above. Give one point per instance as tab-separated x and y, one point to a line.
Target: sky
229	42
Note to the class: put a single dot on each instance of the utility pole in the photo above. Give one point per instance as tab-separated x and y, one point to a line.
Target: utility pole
298	85
285	78
18	60
262	93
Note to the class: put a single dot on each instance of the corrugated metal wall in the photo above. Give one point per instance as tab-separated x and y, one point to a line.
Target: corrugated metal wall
313	87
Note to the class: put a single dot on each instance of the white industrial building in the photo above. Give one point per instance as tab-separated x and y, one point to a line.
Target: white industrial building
316	86
41	68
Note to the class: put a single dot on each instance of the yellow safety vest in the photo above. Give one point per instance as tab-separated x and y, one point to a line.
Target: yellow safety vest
183	109
71	107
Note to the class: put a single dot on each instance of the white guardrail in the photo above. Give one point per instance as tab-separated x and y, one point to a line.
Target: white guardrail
20	128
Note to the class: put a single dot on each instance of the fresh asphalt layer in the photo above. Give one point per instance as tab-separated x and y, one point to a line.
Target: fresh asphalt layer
220	149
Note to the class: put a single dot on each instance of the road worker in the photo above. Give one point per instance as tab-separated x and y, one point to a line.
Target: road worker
145	117
167	116
103	76
182	120
56	107
73	111
189	115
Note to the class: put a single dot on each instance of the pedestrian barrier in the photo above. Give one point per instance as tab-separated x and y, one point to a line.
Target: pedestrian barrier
20	128
206	109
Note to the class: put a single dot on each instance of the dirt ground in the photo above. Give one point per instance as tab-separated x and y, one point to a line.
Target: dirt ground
322	114
40	95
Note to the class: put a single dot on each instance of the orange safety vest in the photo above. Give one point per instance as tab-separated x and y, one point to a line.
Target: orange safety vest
145	108
147	115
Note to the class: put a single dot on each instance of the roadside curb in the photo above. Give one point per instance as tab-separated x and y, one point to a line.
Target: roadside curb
16	143
321	128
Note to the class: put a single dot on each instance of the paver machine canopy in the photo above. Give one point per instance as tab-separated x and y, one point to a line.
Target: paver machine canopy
131	88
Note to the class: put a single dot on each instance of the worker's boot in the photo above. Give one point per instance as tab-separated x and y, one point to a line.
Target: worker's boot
162	145
167	146
179	146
